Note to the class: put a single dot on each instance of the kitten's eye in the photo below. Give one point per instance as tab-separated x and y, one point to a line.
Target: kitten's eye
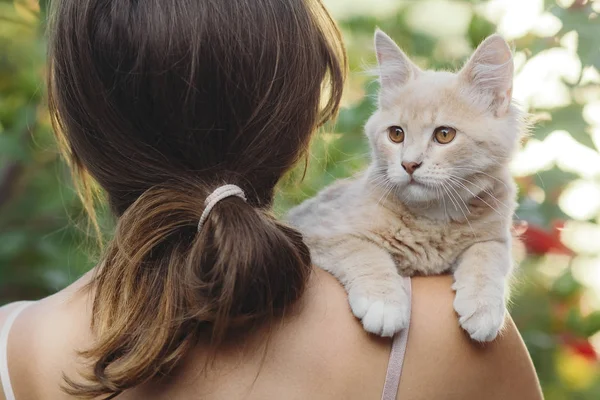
396	134
444	134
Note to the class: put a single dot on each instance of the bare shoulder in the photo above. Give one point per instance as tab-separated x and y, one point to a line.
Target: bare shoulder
441	362
331	352
440	351
5	312
49	331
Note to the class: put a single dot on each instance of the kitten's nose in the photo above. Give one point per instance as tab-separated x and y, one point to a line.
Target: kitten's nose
410	167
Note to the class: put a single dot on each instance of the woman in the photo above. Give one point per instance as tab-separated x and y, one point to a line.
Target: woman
187	113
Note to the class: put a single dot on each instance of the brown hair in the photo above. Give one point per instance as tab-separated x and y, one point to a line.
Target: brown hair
160	102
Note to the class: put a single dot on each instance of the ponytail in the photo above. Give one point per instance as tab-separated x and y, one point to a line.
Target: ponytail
153	99
163	284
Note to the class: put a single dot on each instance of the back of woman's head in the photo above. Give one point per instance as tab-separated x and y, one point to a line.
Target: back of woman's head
161	102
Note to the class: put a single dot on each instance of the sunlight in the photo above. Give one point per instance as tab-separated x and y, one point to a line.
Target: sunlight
514	17
532	158
572	156
596	137
580	200
344	9
590	75
591	113
587	271
540	81
519	59
421	18
570	41
560	148
551	266
547	25
582	237
565	3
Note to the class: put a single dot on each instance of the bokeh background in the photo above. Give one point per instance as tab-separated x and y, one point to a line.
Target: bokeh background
45	243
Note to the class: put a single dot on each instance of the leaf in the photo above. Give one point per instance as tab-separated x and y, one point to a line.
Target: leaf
566	286
586	22
44	5
552	181
479	29
12	149
570	119
592	324
533	45
351	120
574	322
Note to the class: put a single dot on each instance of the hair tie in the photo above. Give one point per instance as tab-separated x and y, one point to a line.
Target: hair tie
219	194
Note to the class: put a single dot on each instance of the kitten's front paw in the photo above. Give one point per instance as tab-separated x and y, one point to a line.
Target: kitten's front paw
383	314
481	312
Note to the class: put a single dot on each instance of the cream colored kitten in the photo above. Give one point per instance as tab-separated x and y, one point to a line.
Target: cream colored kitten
437	197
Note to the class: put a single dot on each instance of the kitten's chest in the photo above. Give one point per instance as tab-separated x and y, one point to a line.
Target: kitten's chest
421	246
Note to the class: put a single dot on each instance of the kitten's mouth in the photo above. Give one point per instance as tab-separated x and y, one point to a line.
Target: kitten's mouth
415	183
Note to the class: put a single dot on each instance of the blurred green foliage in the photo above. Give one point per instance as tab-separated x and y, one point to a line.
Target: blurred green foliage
44	245
39	246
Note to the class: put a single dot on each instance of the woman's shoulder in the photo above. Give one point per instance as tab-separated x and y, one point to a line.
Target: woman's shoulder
441	361
319	344
44	340
440	351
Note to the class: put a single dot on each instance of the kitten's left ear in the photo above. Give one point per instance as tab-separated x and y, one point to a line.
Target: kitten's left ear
489	73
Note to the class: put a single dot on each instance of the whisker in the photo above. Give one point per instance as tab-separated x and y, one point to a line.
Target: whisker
459	198
387	189
364	156
466	218
467	189
480	188
476	171
443	201
450	196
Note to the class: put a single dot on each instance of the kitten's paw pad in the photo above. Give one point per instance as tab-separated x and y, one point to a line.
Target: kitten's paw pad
481	316
381	316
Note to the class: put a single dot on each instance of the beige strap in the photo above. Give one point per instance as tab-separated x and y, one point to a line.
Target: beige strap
394	371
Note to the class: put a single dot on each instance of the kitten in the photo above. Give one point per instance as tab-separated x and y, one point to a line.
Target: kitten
437	197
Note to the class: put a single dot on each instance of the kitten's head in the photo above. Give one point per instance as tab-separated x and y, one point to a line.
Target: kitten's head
434	131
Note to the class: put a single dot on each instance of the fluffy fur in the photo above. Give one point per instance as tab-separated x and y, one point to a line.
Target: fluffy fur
453	215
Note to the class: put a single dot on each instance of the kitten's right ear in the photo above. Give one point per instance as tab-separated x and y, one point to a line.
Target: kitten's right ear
395	68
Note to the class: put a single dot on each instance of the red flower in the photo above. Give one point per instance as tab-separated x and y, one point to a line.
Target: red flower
580	346
539	241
